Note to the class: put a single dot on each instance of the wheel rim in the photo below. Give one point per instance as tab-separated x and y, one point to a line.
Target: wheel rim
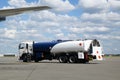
72	59
63	59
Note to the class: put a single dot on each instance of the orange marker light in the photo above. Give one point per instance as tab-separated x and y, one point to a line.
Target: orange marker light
97	52
99	57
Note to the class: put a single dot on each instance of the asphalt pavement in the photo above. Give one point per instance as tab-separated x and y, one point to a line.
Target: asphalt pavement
12	69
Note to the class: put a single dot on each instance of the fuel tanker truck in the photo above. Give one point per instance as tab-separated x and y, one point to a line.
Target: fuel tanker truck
66	51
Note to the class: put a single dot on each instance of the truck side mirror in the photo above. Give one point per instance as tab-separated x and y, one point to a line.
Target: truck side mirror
19	46
26	46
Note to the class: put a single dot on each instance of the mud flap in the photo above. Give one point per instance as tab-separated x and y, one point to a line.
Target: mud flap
81	55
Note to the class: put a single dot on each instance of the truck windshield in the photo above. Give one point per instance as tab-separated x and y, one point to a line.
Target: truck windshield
96	43
22	46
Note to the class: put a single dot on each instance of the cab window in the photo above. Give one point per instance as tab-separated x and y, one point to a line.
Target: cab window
96	43
22	46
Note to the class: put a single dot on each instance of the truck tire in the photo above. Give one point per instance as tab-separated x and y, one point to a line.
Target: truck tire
72	59
24	58
63	59
36	60
83	61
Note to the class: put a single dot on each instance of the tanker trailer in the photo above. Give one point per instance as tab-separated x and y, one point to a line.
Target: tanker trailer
78	51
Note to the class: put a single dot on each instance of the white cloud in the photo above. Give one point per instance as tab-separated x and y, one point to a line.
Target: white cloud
61	36
55	31
49	24
100	20
51	16
7	7
17	3
46	15
58	5
88	29
114	5
103	37
10	33
7	33
112	16
93	17
93	5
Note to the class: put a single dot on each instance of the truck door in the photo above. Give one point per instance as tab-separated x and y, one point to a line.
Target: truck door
23	48
97	50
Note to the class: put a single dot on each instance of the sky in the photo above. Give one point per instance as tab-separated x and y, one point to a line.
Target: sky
68	19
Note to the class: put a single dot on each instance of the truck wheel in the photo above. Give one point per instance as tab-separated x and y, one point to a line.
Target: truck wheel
24	58
83	61
63	59
27	58
72	59
36	60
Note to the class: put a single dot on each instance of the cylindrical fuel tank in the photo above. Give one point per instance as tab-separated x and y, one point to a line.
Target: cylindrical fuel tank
43	46
69	46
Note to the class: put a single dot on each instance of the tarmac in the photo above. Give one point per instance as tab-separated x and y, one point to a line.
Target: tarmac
12	69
